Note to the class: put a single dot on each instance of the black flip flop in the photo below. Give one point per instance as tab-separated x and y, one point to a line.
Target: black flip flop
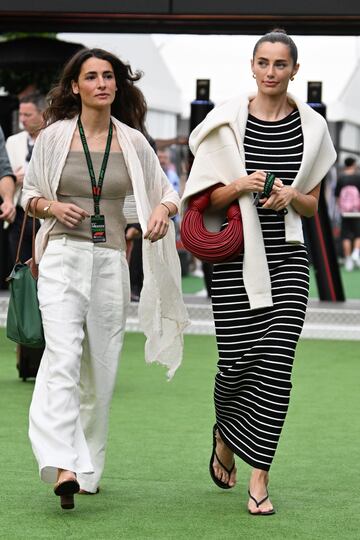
218	482
258	503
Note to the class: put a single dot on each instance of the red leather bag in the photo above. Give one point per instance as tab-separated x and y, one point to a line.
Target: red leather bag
208	246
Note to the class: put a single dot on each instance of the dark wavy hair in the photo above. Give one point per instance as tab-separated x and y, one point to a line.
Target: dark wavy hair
129	105
278	35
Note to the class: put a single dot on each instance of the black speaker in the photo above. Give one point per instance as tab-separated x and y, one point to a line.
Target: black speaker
314	91
318	230
202	104
314	94
203	89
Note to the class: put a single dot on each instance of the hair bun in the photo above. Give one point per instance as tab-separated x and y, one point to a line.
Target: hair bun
279	31
278	35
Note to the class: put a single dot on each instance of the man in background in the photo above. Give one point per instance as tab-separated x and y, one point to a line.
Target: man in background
347	194
7	185
7	209
19	148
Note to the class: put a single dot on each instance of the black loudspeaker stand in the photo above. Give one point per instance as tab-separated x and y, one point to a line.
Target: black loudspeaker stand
318	230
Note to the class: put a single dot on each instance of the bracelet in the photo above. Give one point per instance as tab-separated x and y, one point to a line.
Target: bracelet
168	209
47	209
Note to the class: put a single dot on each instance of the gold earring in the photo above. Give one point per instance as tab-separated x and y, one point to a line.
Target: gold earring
292	78
254	76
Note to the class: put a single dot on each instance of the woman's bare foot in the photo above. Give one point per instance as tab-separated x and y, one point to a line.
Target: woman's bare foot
258	489
63	475
226	456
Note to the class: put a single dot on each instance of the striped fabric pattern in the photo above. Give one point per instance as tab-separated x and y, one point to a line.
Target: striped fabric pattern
256	347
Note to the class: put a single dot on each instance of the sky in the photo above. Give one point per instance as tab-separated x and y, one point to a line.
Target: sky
225	60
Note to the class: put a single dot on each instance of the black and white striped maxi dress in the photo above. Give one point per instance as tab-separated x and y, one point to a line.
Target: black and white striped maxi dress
256	347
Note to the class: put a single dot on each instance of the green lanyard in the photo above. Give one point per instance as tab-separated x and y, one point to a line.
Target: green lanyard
96	187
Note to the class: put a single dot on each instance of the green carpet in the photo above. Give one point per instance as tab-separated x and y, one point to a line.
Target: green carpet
351	284
156	483
192	284
350	281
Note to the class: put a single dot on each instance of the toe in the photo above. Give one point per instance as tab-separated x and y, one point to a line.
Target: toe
227	458
232	479
225	477
264	507
217	470
222	474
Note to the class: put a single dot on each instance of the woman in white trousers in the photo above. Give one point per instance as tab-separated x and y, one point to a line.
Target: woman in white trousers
93	171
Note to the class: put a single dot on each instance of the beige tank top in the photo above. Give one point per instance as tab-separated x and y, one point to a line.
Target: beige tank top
75	187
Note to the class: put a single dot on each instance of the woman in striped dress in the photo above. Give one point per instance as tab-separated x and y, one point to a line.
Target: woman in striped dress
257	331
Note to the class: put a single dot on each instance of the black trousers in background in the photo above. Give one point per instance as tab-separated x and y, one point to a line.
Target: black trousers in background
136	268
207	268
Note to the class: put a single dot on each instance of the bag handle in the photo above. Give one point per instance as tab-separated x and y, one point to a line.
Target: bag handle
17	258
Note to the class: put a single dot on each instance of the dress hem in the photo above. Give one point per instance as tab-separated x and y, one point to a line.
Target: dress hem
240	454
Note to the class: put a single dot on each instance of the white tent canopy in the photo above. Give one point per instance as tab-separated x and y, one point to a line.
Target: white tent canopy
172	63
346	108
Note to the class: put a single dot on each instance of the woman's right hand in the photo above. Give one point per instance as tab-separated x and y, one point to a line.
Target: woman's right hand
68	214
254	183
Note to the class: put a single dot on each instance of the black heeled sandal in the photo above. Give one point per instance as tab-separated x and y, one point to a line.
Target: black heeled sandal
84	492
66	491
217	481
258	504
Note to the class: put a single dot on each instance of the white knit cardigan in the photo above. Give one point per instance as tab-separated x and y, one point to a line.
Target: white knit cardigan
162	313
217	144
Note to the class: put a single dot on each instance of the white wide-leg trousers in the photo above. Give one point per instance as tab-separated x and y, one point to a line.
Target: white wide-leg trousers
83	294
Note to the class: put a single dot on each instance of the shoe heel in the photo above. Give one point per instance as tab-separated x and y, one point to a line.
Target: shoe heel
66	490
67	502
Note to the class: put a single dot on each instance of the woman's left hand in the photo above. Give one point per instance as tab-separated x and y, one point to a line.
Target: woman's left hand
280	199
158	224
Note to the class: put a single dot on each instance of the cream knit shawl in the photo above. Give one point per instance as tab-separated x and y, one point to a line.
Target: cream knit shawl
162	313
217	144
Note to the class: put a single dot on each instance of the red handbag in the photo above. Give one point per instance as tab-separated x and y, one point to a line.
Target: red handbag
208	246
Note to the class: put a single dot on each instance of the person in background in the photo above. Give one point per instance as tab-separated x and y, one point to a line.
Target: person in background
259	299
7	208
133	231
347	195
329	191
7	184
169	168
180	140
94	172
134	257
19	148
